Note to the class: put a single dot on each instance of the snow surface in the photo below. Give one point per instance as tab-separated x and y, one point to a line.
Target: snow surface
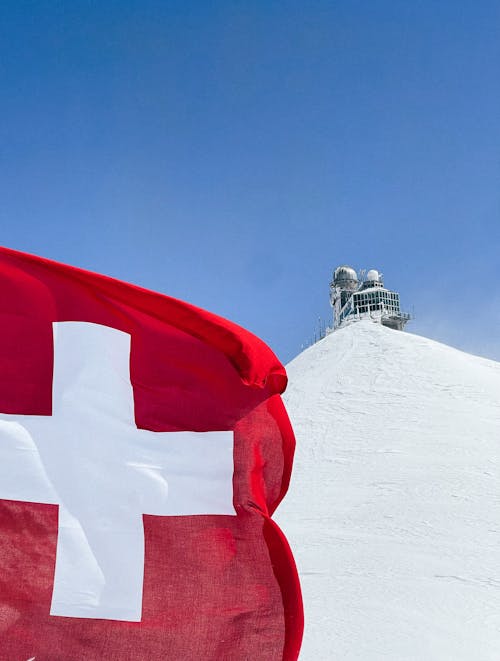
393	512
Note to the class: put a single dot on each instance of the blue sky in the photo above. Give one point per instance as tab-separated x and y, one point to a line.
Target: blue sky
233	153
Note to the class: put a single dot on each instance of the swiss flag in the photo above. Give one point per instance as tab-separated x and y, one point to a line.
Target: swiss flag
143	449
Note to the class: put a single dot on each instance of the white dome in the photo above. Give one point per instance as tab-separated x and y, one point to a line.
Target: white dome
373	276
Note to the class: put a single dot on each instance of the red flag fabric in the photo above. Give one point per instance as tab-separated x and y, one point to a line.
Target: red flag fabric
143	449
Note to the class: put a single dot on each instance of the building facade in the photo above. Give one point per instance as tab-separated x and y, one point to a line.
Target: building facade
353	298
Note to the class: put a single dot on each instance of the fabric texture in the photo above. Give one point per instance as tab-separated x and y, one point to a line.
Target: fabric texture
216	587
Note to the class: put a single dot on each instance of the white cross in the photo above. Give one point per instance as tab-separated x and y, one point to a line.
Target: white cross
104	473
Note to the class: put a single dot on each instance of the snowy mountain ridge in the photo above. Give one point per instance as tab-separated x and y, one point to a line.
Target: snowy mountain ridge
393	512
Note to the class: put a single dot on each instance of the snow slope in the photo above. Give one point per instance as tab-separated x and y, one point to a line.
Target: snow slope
393	511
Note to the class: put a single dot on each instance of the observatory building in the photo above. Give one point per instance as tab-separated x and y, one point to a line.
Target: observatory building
353	298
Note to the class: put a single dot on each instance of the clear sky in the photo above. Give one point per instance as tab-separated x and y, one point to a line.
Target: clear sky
232	154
